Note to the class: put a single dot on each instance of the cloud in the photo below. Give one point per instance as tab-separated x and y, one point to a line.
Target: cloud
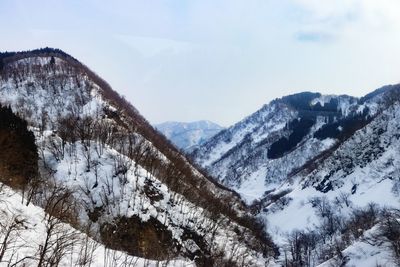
338	12
321	10
330	20
314	37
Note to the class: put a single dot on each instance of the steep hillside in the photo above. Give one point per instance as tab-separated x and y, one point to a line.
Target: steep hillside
124	180
346	192
33	236
258	153
323	172
188	135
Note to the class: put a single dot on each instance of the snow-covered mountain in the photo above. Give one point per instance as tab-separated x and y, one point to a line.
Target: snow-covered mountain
188	135
323	173
86	180
103	169
257	154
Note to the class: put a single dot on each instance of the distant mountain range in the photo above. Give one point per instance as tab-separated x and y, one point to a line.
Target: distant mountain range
188	135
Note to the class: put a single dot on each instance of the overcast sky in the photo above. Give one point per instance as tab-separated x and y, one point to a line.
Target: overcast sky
219	60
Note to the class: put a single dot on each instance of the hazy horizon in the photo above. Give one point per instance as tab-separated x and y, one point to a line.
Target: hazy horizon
216	60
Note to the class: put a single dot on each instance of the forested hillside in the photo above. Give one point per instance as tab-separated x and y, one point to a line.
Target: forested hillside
102	168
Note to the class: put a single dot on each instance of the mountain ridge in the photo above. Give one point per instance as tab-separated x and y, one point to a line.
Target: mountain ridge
277	127
126	177
321	171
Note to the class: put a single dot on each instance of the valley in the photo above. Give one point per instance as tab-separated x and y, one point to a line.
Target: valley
307	180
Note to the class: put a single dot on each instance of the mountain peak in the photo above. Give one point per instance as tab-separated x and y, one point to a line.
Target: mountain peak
188	135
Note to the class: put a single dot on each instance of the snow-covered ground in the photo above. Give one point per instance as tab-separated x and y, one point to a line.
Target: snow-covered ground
128	195
26	241
364	253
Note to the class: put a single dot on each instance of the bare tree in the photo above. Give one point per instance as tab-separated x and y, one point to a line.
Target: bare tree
9	230
87	248
389	231
59	238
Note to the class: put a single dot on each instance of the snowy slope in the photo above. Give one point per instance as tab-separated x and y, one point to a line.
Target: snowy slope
25	240
187	135
366	168
240	156
310	195
121	171
364	254
136	193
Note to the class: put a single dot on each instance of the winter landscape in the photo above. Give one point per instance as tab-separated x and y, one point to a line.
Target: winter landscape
200	165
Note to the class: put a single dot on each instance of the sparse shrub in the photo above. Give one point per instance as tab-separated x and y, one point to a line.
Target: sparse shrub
389	231
149	239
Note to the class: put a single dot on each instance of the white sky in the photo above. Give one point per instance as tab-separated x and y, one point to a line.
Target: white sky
220	60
